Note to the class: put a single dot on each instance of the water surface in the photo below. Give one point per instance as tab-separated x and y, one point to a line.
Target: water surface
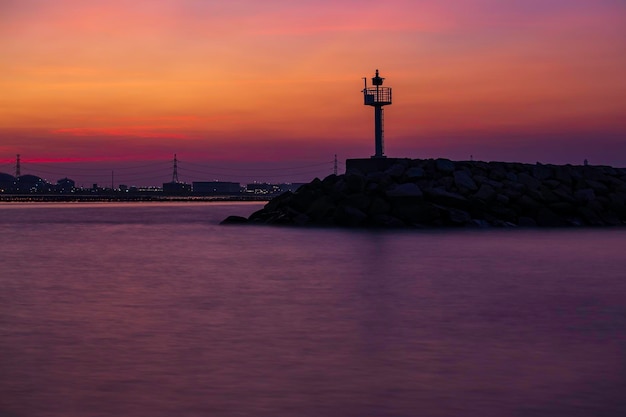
153	309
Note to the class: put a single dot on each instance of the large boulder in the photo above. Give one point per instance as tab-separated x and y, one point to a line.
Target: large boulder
530	182
485	193
349	216
463	181
406	190
585	195
445	166
234	220
414	173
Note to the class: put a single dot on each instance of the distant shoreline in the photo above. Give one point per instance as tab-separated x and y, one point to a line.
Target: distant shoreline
56	198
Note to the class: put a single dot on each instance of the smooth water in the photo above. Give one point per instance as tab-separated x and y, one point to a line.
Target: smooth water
153	309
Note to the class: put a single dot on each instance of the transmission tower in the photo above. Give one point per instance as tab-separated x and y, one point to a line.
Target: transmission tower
175	172
17	166
335	168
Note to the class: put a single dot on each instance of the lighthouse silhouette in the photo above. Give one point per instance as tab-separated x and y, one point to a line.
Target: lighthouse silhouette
377	96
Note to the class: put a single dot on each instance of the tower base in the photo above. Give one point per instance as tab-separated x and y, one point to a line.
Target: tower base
373	164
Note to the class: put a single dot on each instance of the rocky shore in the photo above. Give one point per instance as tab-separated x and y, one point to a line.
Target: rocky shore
415	193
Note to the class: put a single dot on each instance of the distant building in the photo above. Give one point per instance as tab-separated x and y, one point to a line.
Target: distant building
216	188
7	183
261	188
176	188
271	189
65	185
145	190
32	184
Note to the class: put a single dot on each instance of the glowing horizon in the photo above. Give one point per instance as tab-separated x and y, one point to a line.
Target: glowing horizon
280	81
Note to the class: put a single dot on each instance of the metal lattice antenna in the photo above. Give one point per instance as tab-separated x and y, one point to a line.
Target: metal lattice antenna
175	173
18	169
335	168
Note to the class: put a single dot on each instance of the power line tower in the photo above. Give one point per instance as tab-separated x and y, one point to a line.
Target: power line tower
335	167
18	169
175	172
377	97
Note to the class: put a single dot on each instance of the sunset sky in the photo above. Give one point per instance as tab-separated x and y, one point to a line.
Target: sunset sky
240	88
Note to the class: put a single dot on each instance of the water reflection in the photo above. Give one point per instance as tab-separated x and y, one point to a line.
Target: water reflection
174	315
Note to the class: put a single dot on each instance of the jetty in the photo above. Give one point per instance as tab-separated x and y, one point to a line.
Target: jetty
430	193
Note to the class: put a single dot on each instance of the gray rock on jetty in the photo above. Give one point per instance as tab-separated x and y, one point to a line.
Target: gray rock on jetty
418	193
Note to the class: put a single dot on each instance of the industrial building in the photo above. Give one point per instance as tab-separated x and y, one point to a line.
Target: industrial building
215	188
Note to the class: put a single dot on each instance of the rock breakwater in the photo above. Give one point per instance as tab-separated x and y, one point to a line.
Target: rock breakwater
443	193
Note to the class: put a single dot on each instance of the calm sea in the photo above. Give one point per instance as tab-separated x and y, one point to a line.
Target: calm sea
153	309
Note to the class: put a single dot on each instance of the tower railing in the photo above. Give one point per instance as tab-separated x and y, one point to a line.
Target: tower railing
373	96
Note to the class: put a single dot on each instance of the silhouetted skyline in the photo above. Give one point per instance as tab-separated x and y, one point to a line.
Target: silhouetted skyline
155	173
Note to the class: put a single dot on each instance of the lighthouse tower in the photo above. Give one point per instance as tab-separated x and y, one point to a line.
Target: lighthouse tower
377	97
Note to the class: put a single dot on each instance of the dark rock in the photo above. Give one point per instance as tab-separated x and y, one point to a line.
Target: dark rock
381	178
592	173
234	220
502	199
349	216
455	216
415	173
616	183
322	208
597	206
547	195
447	183
378	206
485	193
608	171
610	218
385	220
511	176
618	198
548	218
563	208
443	197
585	195
552	183
416	213
301	219
279	201
590	216
597	186
542	172
530	182
563	193
483	224
339	186
529	204
562	174
480	180
536	195
408	189
444	165
434	193
464	182
526	222
358	201
396	170
354	184
497	171
261	216
329	181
